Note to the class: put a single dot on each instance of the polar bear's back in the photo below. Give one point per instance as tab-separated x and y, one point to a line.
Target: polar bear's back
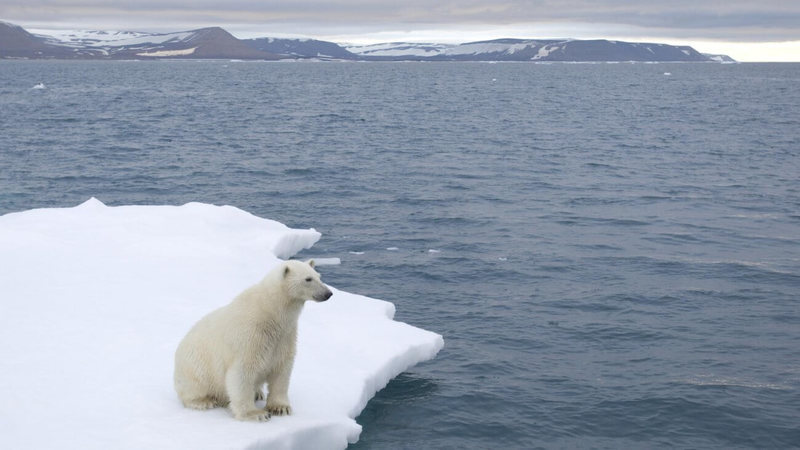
209	348
200	362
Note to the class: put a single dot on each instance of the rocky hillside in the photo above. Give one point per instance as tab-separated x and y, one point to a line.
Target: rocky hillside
205	43
216	43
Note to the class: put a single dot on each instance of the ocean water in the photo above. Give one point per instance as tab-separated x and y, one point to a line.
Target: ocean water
611	251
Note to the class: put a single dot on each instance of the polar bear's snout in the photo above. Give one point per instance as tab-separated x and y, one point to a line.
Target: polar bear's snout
322	296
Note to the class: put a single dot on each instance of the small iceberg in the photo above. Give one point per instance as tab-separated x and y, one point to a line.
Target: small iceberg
666	74
327	261
39	86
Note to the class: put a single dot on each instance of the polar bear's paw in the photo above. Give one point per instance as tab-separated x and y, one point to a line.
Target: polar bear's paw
279	409
202	403
256	415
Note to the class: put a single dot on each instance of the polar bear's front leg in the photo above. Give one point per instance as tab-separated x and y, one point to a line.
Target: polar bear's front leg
278	387
241	393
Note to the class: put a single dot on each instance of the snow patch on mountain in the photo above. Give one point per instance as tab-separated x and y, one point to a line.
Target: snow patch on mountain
545	51
399	49
167	53
94	38
477	48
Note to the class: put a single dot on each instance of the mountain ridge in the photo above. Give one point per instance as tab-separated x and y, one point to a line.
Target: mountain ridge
217	43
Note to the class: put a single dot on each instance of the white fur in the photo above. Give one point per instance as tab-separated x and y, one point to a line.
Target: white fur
230	353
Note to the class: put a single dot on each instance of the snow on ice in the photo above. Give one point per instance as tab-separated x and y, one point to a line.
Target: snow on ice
95	300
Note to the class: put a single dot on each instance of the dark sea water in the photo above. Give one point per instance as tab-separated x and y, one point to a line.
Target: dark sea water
612	253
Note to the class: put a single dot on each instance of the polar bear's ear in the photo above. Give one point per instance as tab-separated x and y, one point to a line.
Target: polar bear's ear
311	262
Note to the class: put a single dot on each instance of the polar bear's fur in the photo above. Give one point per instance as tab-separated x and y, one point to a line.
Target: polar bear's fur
226	358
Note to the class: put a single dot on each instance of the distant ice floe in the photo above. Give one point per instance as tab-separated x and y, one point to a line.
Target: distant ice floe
392	249
101	304
327	261
712	380
355	253
39	86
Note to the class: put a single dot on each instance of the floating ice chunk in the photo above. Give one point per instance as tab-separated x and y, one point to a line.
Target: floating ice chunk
392	249
39	86
712	380
327	261
432	250
100	296
667	74
355	253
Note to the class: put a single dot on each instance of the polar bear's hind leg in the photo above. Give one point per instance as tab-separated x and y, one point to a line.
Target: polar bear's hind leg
202	403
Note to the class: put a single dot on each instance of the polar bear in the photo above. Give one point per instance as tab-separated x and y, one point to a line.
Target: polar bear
230	353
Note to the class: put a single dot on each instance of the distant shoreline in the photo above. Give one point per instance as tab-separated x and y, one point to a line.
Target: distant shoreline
312	61
216	43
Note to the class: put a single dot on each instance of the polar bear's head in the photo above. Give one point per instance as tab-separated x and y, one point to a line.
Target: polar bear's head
303	282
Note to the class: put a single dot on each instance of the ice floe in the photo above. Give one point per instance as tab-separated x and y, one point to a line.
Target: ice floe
95	300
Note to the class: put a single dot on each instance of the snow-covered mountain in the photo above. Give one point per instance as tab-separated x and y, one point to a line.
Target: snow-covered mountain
300	48
401	50
87	38
16	42
121	43
215	42
530	50
87	44
724	59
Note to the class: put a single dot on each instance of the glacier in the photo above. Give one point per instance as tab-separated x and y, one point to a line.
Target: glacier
78	38
96	298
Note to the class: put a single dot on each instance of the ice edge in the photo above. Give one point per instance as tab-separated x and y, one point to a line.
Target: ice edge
411	357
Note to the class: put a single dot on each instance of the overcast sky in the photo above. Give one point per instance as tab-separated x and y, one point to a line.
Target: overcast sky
737	27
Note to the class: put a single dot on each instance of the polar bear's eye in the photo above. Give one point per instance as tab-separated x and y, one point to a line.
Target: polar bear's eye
308	280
